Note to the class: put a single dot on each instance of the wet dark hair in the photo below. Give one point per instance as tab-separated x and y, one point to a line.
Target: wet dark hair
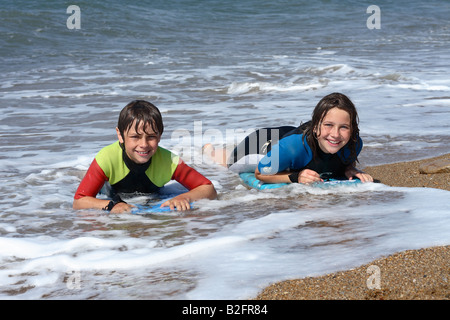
333	100
143	112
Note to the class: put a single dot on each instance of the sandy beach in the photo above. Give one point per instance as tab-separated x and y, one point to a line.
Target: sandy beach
410	275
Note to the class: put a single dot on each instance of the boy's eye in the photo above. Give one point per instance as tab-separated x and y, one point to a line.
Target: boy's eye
138	137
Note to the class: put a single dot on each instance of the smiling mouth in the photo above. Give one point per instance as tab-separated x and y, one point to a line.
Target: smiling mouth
142	153
333	142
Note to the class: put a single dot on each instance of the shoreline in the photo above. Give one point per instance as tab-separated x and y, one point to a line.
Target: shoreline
422	274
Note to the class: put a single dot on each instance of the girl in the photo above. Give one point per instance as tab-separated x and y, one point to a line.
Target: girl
325	147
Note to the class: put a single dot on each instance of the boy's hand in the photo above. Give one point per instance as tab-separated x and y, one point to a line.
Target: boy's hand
122	207
179	203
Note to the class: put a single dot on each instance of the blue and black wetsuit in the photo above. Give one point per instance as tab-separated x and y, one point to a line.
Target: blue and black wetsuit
278	149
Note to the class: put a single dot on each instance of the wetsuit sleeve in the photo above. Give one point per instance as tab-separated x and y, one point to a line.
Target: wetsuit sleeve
290	153
92	182
359	146
345	153
272	162
189	177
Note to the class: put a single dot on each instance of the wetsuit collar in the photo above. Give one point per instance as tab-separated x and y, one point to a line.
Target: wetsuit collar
133	166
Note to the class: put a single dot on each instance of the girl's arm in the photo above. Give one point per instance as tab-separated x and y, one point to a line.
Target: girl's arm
304	176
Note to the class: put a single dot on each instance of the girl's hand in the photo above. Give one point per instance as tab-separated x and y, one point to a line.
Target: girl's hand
308	176
352	172
364	177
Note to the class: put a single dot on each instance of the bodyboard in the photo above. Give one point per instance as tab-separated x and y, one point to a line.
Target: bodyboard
153	209
249	179
167	192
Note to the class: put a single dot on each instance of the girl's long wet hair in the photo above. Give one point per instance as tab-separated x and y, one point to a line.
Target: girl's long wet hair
144	113
333	100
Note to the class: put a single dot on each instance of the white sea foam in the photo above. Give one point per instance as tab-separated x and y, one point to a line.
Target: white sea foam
242	88
357	229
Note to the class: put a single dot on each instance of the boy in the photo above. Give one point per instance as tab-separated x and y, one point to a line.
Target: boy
136	163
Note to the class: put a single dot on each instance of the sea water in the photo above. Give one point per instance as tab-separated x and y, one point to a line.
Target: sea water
216	69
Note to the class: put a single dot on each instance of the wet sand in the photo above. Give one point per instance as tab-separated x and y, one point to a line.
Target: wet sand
410	275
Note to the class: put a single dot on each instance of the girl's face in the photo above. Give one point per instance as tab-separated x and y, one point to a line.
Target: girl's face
334	131
139	146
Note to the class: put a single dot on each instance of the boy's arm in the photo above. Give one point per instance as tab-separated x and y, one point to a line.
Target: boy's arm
183	201
199	187
85	196
94	203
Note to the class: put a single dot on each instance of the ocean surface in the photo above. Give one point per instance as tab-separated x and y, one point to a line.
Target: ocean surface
216	70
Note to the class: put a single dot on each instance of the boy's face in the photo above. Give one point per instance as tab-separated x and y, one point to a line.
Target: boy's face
139	146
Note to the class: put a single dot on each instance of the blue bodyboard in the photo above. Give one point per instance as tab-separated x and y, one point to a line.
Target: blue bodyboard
155	209
250	180
142	209
170	190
